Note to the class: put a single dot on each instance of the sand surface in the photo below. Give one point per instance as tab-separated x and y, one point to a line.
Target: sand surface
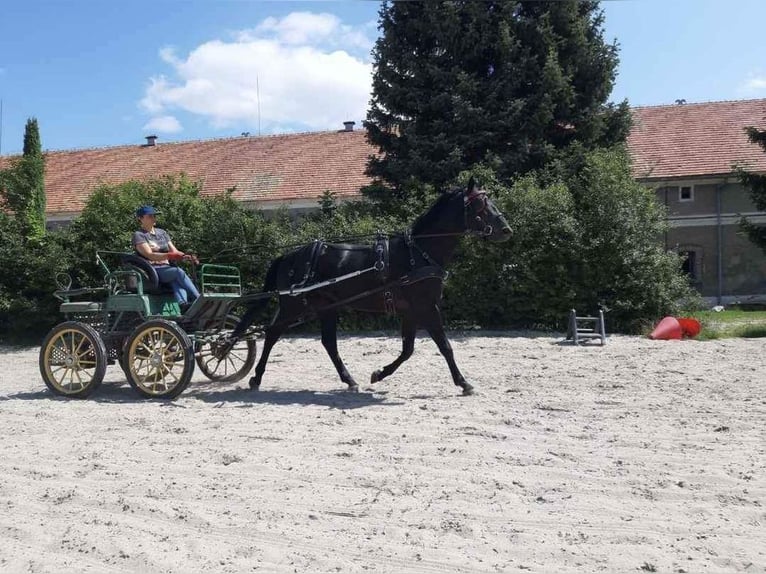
640	456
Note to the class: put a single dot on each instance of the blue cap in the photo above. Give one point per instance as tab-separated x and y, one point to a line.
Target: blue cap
146	210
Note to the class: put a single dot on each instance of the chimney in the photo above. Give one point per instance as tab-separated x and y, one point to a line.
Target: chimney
349	126
150	141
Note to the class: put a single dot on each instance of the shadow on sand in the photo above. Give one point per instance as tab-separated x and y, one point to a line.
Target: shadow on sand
340	399
121	392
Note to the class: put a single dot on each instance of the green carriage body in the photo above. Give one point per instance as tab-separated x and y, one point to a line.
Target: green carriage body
145	331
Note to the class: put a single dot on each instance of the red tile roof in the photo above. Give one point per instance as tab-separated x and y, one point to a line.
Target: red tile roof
272	168
688	140
693	140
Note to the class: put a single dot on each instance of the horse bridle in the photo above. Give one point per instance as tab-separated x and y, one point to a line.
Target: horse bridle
469	230
467	201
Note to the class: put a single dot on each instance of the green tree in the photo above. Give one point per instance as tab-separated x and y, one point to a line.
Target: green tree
515	85
27	281
23	184
590	241
756	184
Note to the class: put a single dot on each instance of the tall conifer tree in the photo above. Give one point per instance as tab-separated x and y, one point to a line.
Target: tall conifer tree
23	184
513	84
34	167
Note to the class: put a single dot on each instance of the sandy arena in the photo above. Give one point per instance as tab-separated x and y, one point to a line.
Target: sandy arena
640	456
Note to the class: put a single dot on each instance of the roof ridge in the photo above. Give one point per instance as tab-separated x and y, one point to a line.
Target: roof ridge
705	103
198	140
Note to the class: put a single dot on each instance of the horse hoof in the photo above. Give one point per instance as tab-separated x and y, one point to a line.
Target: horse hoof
353	388
467	391
254	384
375	377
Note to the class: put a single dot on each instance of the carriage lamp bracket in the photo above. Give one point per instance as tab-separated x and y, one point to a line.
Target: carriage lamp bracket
63	281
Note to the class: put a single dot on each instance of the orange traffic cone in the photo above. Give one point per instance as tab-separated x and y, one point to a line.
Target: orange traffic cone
668	328
689	326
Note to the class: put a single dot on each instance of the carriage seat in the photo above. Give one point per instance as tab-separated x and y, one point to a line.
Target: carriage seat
151	280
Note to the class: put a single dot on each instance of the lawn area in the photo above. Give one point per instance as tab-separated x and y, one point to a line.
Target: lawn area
731	323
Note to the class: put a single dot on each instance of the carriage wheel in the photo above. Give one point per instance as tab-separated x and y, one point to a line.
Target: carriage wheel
158	359
73	360
237	363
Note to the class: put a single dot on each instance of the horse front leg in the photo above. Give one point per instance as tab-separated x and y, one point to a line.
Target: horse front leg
432	321
329	324
409	328
273	334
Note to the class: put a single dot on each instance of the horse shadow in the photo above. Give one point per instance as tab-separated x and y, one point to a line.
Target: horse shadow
339	399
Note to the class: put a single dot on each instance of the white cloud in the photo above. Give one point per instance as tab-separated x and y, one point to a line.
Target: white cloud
307	28
304	69
298	28
754	84
164	124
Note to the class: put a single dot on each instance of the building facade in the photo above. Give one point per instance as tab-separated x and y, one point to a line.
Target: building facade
689	154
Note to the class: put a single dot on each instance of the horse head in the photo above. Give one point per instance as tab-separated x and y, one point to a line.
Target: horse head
482	217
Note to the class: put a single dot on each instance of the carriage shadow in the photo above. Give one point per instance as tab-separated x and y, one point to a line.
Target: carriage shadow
108	393
121	392
29	396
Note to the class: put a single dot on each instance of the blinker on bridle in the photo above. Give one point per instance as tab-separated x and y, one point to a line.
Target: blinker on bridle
467	201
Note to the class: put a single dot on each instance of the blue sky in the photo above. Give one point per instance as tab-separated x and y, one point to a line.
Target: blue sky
100	72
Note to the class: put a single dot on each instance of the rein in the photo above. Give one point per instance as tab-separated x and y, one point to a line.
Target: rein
407	234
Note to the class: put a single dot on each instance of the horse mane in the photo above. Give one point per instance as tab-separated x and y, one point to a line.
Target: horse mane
434	214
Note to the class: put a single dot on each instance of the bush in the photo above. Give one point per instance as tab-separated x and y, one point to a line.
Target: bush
29	268
525	281
587	243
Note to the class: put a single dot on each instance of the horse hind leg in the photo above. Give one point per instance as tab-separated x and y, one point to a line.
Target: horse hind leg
330	342
409	328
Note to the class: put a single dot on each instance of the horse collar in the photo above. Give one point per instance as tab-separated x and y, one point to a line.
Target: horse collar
410	240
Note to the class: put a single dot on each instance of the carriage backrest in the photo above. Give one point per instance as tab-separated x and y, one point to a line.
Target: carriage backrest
151	280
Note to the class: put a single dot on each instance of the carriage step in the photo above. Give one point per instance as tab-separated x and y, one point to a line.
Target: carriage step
577	332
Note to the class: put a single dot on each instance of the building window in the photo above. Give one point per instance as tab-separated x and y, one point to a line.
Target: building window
692	262
686	193
689	265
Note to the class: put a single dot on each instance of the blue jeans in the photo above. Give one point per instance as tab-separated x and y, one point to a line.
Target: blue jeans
179	281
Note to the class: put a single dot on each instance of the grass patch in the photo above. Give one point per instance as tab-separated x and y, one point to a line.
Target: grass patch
731	323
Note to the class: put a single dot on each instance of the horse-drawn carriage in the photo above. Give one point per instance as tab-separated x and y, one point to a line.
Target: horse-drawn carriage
135	321
143	329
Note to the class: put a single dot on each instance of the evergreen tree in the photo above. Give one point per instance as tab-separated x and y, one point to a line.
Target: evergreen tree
512	84
756	184
23	184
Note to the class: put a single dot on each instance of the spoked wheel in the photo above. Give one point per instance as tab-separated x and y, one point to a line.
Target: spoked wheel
235	365
73	360
158	359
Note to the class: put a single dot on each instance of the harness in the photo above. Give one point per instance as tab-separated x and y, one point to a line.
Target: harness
381	248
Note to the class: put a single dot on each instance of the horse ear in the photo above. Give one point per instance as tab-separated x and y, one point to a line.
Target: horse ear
472	185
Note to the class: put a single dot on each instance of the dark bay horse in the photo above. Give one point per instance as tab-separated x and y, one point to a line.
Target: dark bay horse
400	274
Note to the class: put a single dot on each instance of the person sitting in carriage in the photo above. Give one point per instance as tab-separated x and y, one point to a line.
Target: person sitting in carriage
155	245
